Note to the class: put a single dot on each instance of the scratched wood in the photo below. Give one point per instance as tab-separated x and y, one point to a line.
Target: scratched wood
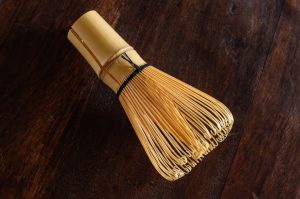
63	134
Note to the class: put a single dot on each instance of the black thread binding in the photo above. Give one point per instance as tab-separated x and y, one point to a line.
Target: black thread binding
137	70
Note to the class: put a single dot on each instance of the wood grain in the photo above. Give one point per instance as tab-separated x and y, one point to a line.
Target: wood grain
267	162
63	134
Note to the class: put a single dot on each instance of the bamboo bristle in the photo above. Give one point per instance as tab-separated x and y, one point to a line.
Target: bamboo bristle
176	123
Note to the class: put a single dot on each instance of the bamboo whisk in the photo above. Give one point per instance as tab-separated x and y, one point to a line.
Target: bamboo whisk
176	123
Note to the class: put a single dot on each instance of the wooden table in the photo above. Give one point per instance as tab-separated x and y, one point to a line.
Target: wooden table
63	134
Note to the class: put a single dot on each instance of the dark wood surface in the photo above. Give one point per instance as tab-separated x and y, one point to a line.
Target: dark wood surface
63	134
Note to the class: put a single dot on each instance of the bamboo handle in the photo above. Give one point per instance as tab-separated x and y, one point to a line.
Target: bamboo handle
101	45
